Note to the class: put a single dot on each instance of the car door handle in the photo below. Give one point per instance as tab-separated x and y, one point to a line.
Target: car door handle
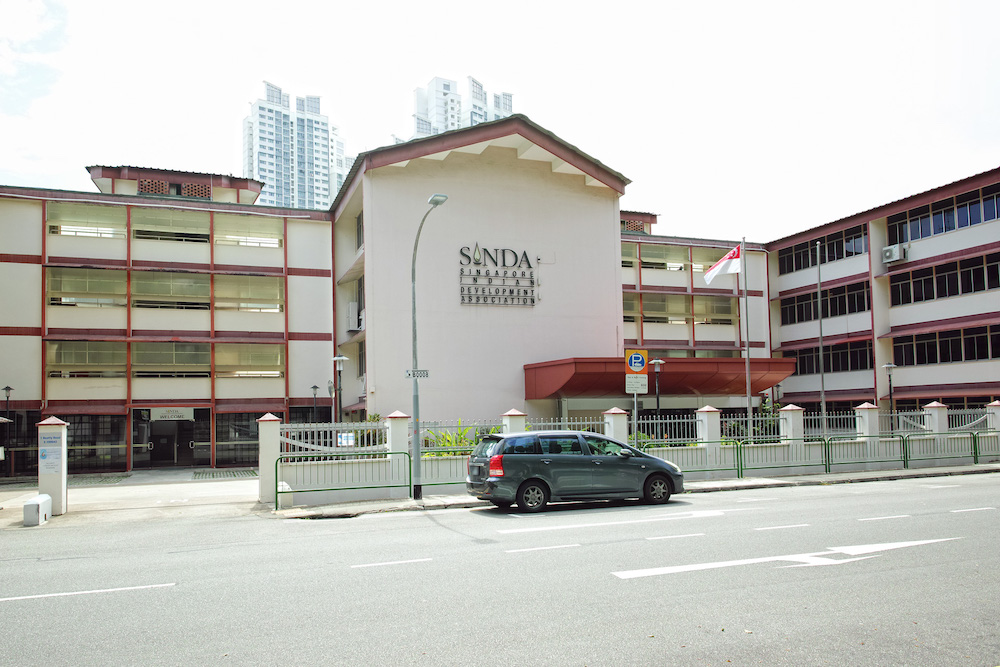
546	460
597	463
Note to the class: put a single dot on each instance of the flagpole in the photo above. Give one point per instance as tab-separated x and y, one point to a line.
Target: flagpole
819	320
746	317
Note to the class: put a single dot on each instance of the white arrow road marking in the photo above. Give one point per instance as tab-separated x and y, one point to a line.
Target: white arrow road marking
807	559
700	514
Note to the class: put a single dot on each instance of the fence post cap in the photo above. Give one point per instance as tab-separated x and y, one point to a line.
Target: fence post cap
52	421
790	407
269	418
935	404
398	415
513	412
708	408
866	406
615	411
994	404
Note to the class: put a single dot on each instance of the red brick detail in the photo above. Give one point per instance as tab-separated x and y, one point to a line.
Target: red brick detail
202	190
150	187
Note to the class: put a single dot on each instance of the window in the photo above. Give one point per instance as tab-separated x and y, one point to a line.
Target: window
359	231
560	444
525	444
162	224
259	294
949	346
925	349
899	289
79	358
601	447
171	360
183	291
248	230
250	360
859	298
72	219
973	275
946	279
85	288
923	285
975	343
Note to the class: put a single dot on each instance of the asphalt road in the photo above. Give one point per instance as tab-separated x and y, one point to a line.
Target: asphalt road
901	573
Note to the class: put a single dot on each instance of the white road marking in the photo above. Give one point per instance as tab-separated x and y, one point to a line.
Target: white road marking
670	537
940	486
802	560
754	500
974	509
673	517
796	525
881	518
99	590
561	546
393	562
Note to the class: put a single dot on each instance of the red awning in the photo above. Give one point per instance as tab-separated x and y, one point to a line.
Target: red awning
605	376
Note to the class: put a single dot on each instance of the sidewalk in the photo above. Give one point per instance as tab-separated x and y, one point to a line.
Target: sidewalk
233	493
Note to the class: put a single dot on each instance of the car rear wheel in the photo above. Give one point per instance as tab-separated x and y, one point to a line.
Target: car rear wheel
532	496
657	490
502	504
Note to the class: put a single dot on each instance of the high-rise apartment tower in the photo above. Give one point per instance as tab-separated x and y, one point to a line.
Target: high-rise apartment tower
295	152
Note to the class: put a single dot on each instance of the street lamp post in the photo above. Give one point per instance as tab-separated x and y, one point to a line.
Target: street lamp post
338	364
656	364
892	406
6	414
315	388
434	201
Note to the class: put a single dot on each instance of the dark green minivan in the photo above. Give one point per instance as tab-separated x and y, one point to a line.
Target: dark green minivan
534	467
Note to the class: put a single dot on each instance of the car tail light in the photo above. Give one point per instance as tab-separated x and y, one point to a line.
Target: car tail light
496	466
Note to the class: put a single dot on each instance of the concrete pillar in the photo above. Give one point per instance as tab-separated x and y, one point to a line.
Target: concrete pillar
993	416
268	434
867	419
868	428
397	425
616	424
937	417
52	462
709	424
513	421
792	423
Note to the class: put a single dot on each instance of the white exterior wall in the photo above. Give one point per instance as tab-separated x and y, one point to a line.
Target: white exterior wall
475	354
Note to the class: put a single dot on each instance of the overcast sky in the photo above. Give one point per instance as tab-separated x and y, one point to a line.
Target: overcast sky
731	118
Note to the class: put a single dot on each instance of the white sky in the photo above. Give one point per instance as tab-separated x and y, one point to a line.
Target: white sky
731	118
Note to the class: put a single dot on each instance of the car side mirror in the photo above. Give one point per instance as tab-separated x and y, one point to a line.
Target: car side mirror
625	453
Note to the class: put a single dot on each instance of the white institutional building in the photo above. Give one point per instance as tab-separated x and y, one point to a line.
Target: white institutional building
441	106
295	152
164	313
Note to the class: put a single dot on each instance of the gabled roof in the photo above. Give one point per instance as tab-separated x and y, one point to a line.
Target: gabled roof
531	141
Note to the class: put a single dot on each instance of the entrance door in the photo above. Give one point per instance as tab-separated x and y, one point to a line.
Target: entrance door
163	437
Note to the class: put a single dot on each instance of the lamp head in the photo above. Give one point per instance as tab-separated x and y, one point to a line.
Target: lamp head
338	361
7	390
315	389
888	368
437	199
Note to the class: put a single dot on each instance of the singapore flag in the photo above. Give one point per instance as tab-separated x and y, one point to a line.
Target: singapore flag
728	264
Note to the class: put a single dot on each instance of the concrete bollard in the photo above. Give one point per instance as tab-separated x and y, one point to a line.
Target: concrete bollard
37	510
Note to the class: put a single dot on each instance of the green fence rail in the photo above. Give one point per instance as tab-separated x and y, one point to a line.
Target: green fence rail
314	472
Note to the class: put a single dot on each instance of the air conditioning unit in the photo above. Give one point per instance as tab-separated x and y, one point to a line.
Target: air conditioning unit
893	253
361	321
352	316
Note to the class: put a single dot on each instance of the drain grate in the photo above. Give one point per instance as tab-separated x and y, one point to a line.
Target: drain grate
224	474
89	480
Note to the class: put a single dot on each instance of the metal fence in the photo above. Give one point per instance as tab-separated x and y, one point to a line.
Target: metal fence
339	439
967	420
837	423
592	424
672	430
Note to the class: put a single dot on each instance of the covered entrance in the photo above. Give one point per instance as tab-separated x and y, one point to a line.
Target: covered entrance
168	437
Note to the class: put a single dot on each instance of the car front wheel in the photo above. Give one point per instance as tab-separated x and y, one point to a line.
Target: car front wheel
657	490
532	496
